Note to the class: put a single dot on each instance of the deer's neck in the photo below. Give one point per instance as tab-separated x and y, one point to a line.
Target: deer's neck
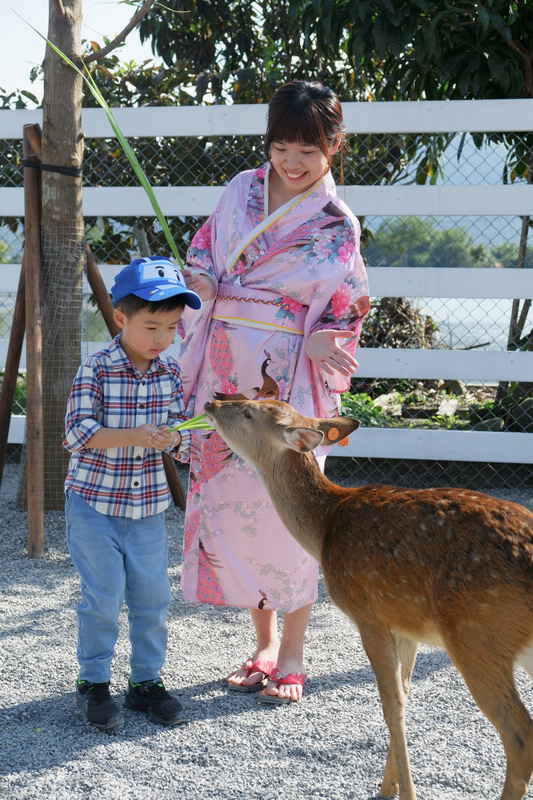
303	497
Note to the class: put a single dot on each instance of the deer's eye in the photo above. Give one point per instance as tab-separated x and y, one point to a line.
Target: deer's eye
247	414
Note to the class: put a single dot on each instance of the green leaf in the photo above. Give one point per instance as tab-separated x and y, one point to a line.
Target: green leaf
396	41
484	17
29	95
380	34
194	423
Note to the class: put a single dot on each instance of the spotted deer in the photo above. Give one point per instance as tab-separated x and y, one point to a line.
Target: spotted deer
446	567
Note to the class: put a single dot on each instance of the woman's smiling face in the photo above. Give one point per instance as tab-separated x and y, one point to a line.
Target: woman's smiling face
298	165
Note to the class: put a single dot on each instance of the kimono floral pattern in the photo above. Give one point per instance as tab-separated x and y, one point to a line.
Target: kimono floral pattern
288	307
306	259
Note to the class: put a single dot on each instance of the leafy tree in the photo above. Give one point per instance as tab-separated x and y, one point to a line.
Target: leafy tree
414	242
16	99
453	247
243	51
371	49
506	255
402	242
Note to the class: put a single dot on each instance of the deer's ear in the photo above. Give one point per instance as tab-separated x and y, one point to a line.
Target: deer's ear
303	439
337	428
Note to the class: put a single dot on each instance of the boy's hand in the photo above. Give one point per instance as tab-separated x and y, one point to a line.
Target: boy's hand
161	438
165	439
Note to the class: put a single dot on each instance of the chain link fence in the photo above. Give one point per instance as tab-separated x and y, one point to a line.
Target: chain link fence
421	241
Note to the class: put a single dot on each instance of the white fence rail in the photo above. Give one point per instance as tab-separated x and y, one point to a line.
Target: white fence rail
429	117
490	366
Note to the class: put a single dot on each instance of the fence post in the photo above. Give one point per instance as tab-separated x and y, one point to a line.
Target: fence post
34	419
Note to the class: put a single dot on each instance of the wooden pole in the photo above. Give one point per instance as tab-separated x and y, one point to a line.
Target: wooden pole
14	350
34	412
106	307
101	295
174	483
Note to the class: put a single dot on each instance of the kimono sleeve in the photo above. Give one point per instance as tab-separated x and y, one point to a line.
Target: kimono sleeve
215	239
208	253
200	256
177	414
345	290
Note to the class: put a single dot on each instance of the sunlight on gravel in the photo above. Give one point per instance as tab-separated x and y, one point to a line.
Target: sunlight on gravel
331	745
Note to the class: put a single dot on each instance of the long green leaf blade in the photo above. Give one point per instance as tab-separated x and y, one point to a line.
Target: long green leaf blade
143	180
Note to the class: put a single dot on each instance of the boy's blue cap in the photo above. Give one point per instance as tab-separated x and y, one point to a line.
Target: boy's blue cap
153	278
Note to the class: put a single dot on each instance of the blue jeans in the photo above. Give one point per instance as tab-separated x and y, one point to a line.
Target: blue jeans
119	559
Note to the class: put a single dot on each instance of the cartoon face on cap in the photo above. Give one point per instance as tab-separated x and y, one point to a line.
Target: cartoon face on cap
153	278
161	270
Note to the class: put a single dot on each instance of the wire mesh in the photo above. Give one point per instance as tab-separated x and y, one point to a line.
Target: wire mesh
424	241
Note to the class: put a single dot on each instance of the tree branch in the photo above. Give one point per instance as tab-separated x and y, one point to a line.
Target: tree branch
134	21
527	57
60	8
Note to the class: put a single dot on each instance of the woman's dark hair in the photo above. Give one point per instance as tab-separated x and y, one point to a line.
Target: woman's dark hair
307	112
130	304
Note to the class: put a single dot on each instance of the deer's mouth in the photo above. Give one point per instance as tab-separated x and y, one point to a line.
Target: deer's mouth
209	411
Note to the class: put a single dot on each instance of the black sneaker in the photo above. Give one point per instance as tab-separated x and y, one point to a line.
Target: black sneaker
97	706
152	698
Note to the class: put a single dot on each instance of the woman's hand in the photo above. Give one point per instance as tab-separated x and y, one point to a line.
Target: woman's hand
201	284
323	350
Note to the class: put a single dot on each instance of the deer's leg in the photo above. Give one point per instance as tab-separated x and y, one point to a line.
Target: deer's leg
407	651
392	660
490	679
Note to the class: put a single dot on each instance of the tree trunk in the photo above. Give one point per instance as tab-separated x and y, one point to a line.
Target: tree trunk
62	235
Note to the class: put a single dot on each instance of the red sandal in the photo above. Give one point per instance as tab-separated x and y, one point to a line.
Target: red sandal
276	677
253	666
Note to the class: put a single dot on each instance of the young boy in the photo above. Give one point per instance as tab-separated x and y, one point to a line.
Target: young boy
123	402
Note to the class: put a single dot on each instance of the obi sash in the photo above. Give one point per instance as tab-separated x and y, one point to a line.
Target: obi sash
258	308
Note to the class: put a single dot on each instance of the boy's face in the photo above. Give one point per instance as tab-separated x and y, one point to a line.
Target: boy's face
145	335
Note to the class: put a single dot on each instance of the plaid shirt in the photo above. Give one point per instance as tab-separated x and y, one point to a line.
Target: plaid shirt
110	392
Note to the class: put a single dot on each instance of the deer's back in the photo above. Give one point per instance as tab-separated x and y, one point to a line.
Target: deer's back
425	561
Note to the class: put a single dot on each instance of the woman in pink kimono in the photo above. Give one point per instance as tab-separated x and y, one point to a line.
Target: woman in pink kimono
285	293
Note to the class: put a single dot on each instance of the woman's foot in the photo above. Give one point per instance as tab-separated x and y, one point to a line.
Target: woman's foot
254	672
289	662
278	691
251	677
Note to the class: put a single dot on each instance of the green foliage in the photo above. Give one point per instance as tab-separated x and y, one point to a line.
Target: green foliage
17	99
224	50
228	51
19	398
506	254
4	253
363	407
414	242
430	50
513	413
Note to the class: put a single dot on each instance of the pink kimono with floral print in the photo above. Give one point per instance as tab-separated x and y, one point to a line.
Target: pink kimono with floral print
280	277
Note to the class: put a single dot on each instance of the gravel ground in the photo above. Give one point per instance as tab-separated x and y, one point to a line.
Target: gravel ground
331	745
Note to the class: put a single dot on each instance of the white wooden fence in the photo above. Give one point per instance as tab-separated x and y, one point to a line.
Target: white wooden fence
429	117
